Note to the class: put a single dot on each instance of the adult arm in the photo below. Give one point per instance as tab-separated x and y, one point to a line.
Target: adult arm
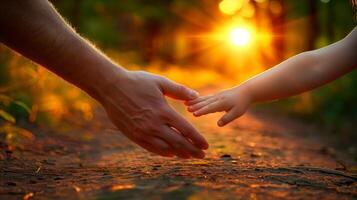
134	101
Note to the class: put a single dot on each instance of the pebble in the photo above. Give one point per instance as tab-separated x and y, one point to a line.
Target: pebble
11	184
256	155
226	157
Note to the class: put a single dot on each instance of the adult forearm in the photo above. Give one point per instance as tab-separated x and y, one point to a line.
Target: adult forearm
36	30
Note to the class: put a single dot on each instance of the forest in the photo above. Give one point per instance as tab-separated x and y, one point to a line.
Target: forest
207	45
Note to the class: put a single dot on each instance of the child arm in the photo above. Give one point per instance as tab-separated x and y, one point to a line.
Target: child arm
298	74
305	71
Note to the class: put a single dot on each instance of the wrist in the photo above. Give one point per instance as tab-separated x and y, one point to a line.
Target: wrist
100	84
243	90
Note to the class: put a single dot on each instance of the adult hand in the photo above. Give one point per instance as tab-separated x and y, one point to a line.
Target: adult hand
136	105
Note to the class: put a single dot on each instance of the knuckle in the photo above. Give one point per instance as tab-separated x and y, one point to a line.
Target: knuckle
180	88
152	129
184	131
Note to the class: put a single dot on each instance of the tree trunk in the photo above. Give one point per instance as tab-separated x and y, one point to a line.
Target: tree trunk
313	25
278	20
330	21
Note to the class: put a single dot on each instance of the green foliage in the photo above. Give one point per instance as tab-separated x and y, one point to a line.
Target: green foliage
13	134
8	117
18	108
336	102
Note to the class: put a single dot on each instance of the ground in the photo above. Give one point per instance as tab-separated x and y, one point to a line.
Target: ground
260	156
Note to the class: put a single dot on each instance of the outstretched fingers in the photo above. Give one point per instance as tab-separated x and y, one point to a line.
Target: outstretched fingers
187	130
157	146
182	147
201	104
176	90
198	100
216	106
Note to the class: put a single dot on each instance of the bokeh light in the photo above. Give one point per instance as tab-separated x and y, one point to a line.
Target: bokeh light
230	7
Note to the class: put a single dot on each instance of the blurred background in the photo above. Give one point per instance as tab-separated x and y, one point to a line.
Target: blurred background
202	43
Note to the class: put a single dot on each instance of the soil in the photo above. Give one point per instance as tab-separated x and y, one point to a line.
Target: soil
260	156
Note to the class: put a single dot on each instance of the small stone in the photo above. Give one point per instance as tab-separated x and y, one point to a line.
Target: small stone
49	162
256	155
8	151
156	167
327	150
226	157
11	184
58	178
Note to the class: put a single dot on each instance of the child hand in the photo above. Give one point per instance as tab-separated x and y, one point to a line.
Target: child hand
234	102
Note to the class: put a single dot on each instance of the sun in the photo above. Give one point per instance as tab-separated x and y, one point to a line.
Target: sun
240	36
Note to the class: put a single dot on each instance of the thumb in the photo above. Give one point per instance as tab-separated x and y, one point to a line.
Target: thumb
230	116
177	91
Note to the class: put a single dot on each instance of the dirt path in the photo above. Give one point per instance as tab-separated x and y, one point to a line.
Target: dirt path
261	156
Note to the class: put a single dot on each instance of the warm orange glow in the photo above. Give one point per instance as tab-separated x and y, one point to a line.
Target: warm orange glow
275	7
235	34
122	187
248	11
237	47
76	188
229	7
240	36
28	196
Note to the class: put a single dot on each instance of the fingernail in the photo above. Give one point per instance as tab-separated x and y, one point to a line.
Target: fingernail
193	94
220	123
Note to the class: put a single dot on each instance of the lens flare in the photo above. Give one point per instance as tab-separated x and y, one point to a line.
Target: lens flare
240	36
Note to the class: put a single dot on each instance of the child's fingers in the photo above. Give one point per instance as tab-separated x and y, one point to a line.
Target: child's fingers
210	108
230	116
197	100
201	104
